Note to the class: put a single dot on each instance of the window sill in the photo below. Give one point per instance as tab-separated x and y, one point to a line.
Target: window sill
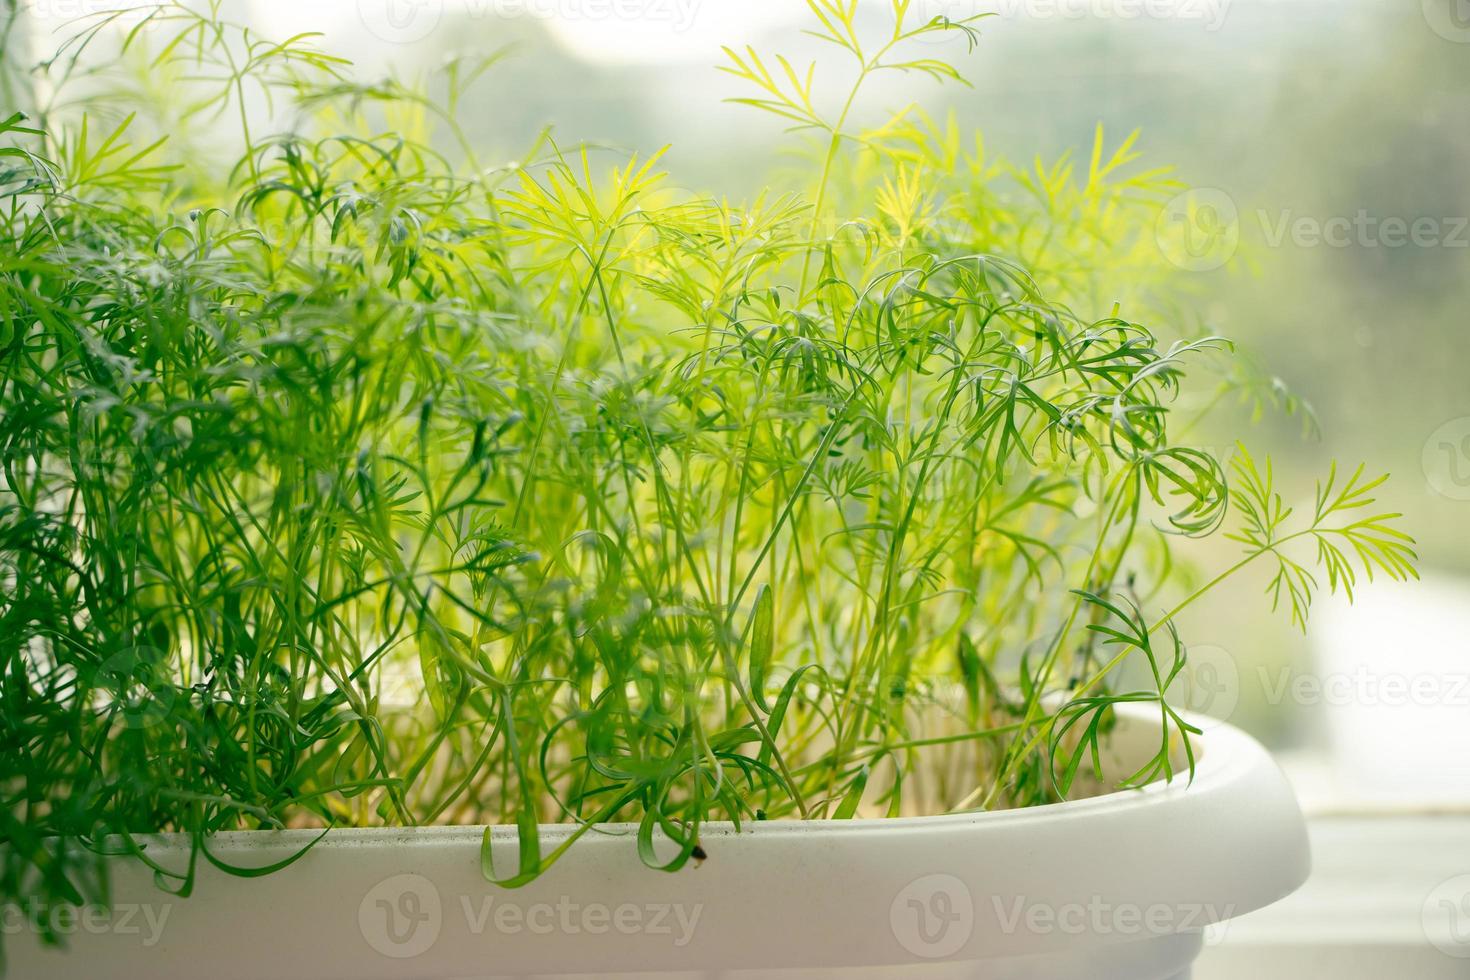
1388	896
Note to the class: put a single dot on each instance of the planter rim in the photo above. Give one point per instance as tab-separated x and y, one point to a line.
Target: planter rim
1038	892
1222	752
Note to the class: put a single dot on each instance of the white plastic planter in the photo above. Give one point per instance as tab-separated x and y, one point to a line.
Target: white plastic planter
1113	888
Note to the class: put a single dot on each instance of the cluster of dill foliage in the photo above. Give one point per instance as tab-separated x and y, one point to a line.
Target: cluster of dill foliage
360	482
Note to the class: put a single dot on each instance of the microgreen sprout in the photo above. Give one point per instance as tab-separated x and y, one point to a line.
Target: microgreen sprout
354	482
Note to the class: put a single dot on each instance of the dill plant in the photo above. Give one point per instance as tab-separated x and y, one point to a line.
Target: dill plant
359	482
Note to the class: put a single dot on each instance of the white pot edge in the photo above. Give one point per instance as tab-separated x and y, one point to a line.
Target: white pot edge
1111	887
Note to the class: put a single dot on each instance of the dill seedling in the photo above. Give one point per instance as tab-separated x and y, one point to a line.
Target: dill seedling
353	482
